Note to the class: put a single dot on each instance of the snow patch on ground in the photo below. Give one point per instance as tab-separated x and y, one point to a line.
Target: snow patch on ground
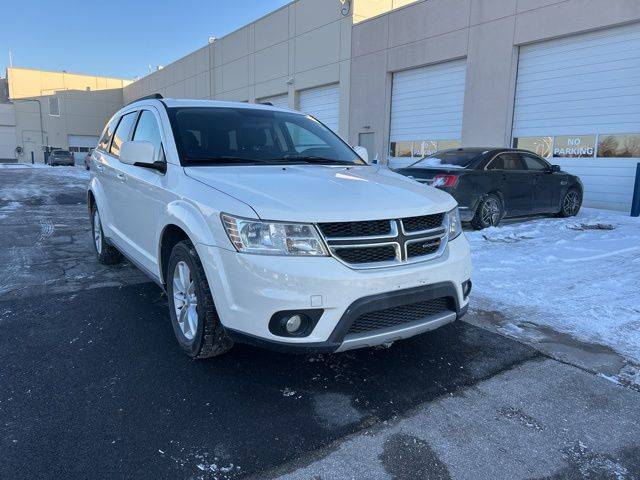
579	276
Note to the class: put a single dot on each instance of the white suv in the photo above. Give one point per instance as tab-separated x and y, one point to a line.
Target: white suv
264	227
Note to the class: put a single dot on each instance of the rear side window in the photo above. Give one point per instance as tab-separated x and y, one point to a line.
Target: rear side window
534	163
122	133
103	144
506	161
147	130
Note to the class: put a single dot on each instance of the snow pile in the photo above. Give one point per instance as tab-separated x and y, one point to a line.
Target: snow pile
579	276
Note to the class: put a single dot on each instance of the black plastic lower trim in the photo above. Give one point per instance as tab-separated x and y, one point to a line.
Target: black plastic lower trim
285	347
355	310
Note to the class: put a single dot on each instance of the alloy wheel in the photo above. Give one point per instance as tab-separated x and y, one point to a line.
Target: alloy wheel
97	232
491	212
185	301
571	203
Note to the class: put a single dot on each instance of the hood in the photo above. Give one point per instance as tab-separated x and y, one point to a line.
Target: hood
319	193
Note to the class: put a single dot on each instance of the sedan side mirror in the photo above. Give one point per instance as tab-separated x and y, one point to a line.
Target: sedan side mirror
362	153
554	169
140	154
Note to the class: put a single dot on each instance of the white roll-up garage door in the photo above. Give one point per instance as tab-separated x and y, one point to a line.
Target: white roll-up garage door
279	101
80	145
323	103
426	111
7	132
578	102
7	143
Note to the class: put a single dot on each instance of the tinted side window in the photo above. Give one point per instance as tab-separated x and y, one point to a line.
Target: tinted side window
496	164
534	163
103	144
122	132
512	161
148	130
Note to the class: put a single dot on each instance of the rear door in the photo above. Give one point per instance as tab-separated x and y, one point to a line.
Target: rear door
513	181
110	171
546	185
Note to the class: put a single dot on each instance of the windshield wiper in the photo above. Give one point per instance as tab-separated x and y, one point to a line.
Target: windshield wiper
223	159
317	160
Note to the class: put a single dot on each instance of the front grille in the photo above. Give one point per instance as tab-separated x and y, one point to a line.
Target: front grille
361	255
394	316
362	245
356	229
425	222
422	248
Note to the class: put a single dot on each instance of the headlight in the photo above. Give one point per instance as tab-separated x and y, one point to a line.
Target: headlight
455	225
273	238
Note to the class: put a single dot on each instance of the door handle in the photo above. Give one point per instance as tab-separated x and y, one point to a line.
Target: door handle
100	168
122	177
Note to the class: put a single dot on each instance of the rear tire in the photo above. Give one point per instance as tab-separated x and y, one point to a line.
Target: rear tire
106	253
194	317
489	213
571	203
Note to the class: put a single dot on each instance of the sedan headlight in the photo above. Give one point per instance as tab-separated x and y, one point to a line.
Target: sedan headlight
455	224
273	238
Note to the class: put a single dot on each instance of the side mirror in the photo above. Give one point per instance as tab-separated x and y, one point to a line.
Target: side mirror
140	154
362	153
554	169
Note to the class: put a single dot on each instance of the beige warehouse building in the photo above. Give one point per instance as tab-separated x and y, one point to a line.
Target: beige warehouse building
404	78
45	110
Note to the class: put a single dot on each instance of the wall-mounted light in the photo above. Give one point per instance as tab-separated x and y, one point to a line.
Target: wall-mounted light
345	7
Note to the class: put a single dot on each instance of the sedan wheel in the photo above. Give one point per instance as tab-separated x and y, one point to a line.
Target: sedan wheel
571	204
491	212
185	300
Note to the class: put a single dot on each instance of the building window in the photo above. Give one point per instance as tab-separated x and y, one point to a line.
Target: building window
54	106
574	146
619	146
539	145
420	148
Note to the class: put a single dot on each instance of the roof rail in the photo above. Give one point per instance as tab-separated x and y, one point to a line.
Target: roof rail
155	96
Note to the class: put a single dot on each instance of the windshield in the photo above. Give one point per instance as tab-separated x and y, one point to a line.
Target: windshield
448	159
62	153
228	136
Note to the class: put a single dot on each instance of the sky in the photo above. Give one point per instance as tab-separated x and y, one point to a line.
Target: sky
116	38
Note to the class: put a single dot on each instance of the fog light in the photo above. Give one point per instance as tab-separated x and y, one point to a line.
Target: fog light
293	323
466	288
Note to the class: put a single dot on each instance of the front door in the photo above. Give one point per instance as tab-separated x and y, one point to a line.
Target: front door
546	185
142	196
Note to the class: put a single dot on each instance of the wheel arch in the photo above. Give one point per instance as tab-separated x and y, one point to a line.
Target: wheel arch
170	236
182	221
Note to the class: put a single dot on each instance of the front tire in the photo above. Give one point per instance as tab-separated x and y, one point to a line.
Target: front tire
194	317
106	253
489	213
571	203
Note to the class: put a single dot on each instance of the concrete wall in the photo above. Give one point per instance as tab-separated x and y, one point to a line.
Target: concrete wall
85	102
365	9
485	32
304	44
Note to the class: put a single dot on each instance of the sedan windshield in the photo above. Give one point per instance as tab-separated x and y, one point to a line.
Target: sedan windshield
448	159
228	136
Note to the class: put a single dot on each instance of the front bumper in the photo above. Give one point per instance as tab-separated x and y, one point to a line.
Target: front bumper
249	289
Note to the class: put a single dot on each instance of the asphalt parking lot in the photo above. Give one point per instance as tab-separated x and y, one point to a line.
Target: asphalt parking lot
92	384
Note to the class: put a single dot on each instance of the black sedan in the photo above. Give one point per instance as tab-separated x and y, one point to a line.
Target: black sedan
495	183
